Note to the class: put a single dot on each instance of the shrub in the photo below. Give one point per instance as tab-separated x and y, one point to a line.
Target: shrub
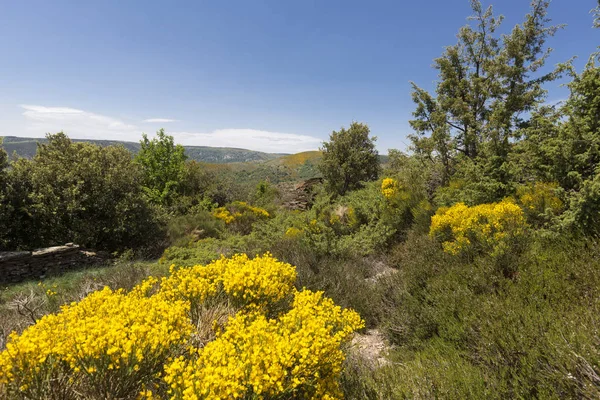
583	214
296	356
487	227
108	345
192	227
258	282
540	202
349	158
152	341
389	188
240	216
55	198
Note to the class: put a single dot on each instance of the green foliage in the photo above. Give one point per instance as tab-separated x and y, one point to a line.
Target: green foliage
191	227
472	185
265	194
349	158
3	157
56	198
27	147
239	216
486	83
541	202
583	214
461	325
163	167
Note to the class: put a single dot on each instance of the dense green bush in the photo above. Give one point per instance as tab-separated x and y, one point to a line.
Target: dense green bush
56	198
463	330
349	159
188	228
163	167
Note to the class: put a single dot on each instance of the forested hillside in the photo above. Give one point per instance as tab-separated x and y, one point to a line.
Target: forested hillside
464	268
27	147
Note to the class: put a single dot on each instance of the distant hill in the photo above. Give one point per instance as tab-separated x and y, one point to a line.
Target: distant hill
27	147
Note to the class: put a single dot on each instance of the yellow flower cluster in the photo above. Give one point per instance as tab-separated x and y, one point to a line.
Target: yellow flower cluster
297	355
293	232
246	281
462	228
106	336
144	344
539	197
239	209
389	188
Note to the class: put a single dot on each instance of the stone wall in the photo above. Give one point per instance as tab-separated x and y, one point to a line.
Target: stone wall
18	266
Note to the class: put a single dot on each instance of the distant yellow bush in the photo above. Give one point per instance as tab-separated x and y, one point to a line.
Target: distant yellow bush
293	232
240	215
141	344
389	188
490	227
539	198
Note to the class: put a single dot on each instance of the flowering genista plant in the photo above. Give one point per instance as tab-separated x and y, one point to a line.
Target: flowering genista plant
389	188
490	227
240	215
240	280
108	343
145	343
297	355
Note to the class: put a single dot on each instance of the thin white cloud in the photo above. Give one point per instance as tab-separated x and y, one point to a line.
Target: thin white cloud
82	124
252	139
76	123
160	120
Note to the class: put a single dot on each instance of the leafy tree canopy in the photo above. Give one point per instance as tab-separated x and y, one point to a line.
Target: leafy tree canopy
487	84
349	158
163	166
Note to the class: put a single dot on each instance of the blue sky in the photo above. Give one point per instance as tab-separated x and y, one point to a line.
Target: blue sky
276	76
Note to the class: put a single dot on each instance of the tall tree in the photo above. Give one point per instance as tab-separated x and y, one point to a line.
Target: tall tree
349	158
487	83
163	166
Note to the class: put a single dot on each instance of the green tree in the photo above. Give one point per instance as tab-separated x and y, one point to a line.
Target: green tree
5	211
3	158
487	85
163	167
349	158
77	192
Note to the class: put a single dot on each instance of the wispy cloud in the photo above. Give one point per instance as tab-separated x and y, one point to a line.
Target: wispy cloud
82	124
161	120
252	139
76	123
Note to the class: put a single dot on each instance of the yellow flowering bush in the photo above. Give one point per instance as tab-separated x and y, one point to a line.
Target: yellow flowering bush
240	216
293	232
148	343
389	188
109	344
258	281
297	356
489	227
539	201
394	192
